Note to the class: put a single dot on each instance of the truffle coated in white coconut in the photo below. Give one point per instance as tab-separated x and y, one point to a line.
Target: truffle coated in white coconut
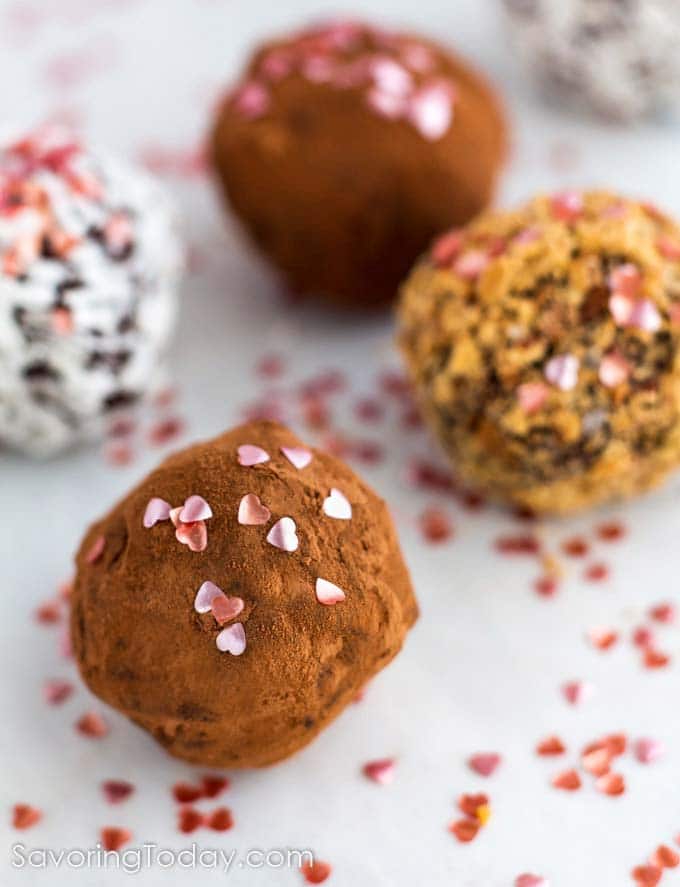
89	265
618	57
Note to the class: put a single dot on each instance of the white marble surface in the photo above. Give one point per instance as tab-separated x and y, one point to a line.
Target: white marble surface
483	668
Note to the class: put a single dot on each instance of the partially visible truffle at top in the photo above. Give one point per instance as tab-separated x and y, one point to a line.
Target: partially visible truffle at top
89	261
345	148
240	597
544	347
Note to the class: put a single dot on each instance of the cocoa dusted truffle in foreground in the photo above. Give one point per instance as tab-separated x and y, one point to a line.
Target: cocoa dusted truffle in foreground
240	597
345	149
543	344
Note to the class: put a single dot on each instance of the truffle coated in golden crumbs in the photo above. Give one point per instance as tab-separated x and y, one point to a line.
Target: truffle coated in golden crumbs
345	149
543	344
240	597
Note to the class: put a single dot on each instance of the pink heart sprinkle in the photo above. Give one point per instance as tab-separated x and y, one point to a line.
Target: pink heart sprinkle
249	455
621	308
195	535
471	264
232	639
386	104
337	505
529	880
431	110
668	247
57	691
390	77
645	316
224	608
195	508
156	510
562	371
251	512
283	535
447	248
576	692
251	100
614	370
297	456
532	396
205	596
381	771
567	206
648	750
484	763
327	593
95	551
626	280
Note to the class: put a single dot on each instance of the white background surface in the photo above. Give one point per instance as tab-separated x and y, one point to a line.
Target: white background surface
482	669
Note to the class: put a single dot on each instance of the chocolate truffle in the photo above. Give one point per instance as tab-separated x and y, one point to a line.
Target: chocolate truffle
619	59
345	149
543	344
89	261
240	597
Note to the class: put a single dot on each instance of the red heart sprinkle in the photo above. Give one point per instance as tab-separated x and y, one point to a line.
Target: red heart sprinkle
93	725
24	816
465	829
315	872
113	837
552	745
214	785
220	820
117	790
568	780
185	793
189	819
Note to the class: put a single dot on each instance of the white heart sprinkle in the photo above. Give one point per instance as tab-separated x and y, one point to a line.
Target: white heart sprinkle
327	593
562	371
283	535
156	510
251	512
205	595
249	455
232	639
337	505
195	508
297	456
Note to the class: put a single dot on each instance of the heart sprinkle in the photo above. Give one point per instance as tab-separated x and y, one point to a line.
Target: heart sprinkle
297	456
568	780
95	551
249	455
194	535
195	509
251	512
529	880
232	639
205	596
484	763
283	535
562	371
337	505
224	608
156	510
327	593
648	750
381	771
576	692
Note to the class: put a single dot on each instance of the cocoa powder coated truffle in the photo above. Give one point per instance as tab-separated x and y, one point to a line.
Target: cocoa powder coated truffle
240	597
344	149
543	344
